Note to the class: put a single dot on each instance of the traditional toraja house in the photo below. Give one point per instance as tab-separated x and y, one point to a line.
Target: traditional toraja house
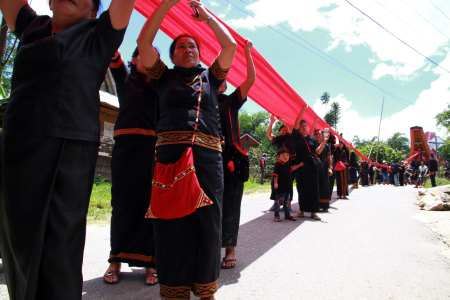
109	109
419	144
247	141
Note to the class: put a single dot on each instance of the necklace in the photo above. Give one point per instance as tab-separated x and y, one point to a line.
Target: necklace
198	102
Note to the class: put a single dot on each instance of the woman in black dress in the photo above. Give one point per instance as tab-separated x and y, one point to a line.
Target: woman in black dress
188	248
353	170
131	169
341	154
307	175
324	172
49	146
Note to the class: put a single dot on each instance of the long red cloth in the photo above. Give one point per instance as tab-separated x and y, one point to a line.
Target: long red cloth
270	90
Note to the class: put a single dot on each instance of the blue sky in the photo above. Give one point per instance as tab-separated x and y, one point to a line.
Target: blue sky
326	45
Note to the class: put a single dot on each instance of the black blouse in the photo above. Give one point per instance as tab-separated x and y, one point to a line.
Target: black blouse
137	102
230	105
301	146
56	78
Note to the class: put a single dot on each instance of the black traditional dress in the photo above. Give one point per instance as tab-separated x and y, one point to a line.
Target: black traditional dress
353	170
286	142
324	178
49	148
233	188
341	176
188	248
131	167
307	176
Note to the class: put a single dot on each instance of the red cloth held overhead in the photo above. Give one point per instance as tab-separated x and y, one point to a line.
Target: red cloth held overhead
270	90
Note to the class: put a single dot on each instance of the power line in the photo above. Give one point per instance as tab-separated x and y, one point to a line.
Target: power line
439	9
425	19
322	55
398	38
398	18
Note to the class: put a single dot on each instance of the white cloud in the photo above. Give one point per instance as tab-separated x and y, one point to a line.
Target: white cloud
349	28
429	103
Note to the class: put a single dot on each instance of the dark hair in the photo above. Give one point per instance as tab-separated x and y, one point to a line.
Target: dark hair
321	131
332	139
282	150
303	121
432	155
96	5
174	43
281	127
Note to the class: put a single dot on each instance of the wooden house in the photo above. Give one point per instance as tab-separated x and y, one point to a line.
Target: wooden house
247	141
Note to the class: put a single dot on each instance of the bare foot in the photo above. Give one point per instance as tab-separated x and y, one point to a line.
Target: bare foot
151	278
112	273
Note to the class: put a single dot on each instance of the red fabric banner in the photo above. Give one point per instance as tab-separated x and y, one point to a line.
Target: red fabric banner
270	90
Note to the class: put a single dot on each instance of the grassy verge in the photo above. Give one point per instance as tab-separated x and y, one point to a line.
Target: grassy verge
99	212
255	187
100	205
439	181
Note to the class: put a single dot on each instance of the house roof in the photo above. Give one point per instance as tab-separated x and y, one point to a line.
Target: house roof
249	136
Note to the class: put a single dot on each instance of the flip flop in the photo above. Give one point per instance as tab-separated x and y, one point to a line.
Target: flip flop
227	261
150	273
277	219
111	273
316	217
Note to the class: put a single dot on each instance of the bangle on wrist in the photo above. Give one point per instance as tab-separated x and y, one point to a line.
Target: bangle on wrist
207	20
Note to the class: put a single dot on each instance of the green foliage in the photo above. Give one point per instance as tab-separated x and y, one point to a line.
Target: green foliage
7	63
325	98
333	116
385	151
256	125
398	141
443	118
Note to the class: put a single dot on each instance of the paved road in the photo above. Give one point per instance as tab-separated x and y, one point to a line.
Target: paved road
371	246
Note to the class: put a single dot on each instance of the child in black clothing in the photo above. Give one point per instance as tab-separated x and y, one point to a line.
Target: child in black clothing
282	181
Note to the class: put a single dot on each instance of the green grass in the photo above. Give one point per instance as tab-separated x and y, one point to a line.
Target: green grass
100	205
439	181
253	186
99	212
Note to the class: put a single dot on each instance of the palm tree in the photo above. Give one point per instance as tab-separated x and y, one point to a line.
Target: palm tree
325	98
333	116
398	141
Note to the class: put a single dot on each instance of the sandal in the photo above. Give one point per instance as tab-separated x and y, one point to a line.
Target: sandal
227	261
149	274
301	215
109	274
291	218
277	219
316	217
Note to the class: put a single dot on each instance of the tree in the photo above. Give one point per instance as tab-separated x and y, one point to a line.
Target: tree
256	125
333	116
8	49
325	98
443	118
398	141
